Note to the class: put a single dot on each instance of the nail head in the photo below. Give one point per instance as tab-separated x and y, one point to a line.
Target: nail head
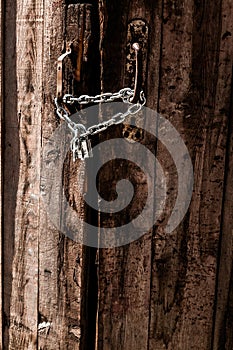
136	46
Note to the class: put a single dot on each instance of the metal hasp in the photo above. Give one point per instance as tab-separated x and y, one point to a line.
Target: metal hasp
138	73
136	68
60	70
137	48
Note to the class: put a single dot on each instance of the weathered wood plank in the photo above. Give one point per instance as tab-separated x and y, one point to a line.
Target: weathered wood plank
194	94
24	299
168	255
61	292
11	162
222	336
53	246
196	70
125	272
158	292
23	40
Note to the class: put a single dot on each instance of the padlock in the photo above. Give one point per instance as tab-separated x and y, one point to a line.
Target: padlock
83	149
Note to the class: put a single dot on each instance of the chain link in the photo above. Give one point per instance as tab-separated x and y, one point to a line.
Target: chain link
63	115
79	130
124	94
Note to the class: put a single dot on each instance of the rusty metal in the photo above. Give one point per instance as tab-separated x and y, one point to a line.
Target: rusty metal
60	70
77	73
138	73
136	66
137	50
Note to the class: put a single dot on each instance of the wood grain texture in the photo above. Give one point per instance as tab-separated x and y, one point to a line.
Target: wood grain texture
222	336
162	291
62	299
198	80
47	307
168	254
22	156
195	94
59	259
125	272
189	81
10	159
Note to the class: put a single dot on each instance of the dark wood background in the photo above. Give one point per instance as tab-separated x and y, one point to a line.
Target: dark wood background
161	292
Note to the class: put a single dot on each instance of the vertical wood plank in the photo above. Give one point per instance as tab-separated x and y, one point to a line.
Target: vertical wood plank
222	335
194	94
54	266
168	262
22	157
196	72
61	286
24	299
10	157
125	272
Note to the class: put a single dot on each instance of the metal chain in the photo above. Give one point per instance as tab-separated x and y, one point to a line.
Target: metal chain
80	143
115	120
64	115
125	94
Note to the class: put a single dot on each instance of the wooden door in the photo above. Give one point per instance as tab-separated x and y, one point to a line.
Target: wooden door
160	291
